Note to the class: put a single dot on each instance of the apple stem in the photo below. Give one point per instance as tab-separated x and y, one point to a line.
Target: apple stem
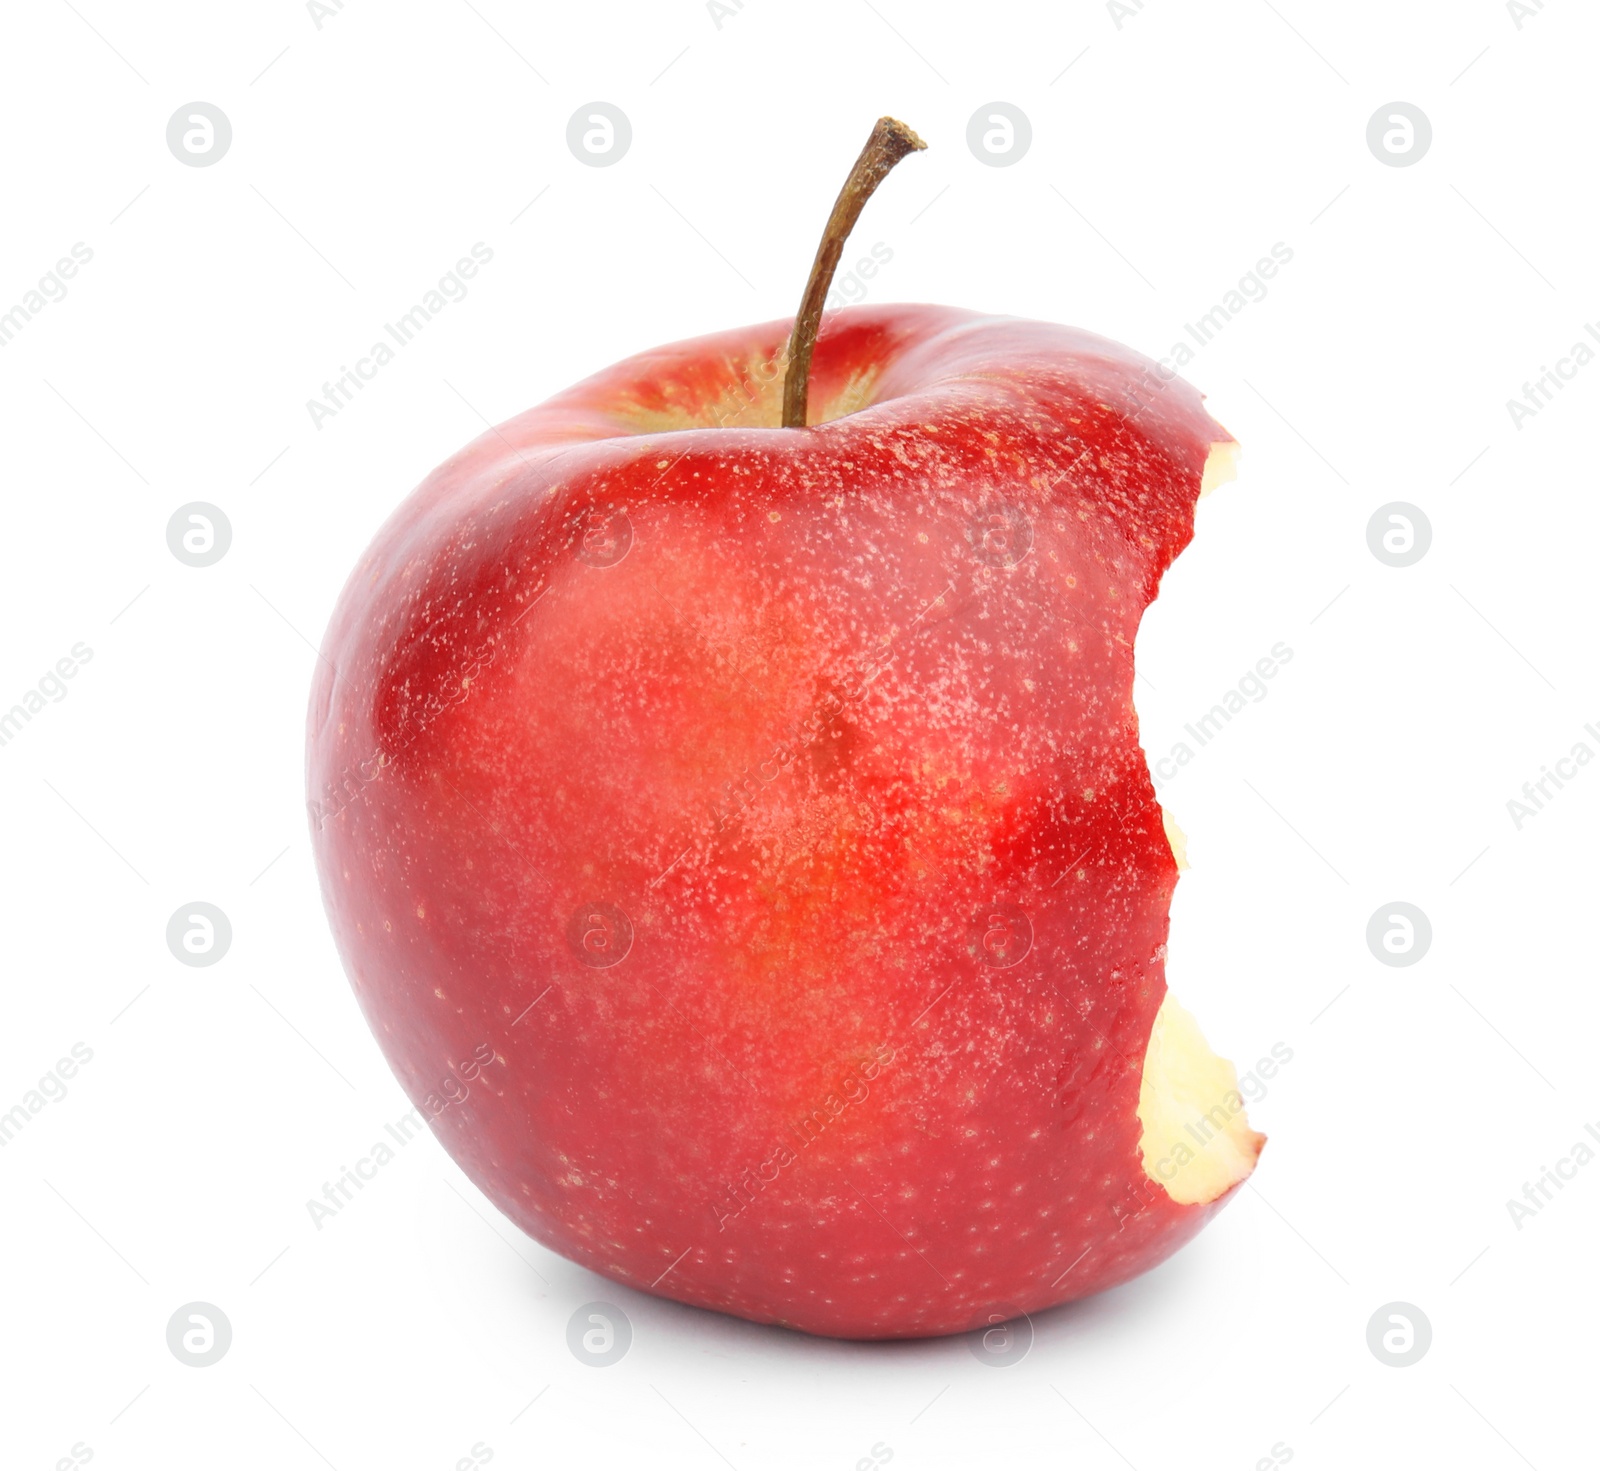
890	142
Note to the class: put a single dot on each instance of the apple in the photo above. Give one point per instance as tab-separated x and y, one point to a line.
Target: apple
729	806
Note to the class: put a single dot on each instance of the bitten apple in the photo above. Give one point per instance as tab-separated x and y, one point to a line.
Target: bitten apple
768	802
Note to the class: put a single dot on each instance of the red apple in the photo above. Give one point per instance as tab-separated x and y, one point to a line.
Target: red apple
738	836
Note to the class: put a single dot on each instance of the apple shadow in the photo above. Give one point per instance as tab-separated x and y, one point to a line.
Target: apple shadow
1137	1305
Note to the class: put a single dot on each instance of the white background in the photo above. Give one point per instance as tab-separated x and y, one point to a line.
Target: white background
1169	154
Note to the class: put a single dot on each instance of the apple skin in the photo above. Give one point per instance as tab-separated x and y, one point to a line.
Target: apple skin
738	838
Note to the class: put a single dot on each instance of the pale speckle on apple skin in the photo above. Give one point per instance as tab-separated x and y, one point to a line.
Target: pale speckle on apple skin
579	767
